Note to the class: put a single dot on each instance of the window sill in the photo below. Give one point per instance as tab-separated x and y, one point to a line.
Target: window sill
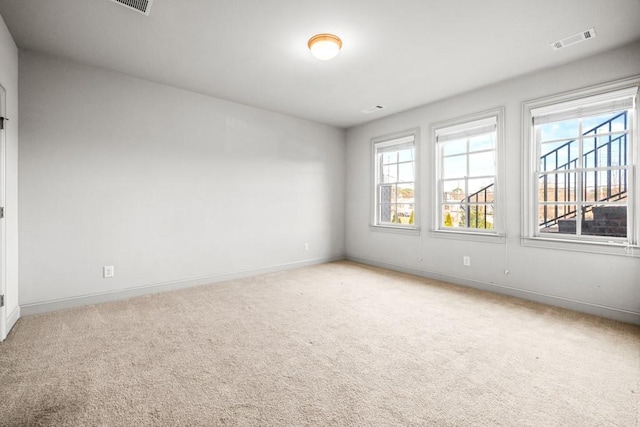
469	236
413	231
608	248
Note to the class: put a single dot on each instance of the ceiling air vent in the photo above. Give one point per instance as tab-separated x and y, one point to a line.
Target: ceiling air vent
574	39
372	109
142	6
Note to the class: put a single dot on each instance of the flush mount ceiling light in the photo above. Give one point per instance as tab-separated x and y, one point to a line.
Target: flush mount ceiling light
324	46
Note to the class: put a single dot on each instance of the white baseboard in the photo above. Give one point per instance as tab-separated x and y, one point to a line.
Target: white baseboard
97	298
614	313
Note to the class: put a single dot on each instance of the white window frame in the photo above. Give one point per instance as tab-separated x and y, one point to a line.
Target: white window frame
577	103
465	126
411	136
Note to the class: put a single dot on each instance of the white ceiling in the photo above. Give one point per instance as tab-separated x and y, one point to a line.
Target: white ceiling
399	54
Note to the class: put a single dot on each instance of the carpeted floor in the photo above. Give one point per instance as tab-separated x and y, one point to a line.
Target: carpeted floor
329	345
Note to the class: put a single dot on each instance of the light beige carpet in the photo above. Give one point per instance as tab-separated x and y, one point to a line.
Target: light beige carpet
329	345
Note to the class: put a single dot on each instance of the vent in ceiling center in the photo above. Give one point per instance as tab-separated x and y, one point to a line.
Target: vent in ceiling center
142	6
574	39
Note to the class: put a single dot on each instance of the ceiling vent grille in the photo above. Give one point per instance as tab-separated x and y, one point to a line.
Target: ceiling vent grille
142	6
372	109
574	39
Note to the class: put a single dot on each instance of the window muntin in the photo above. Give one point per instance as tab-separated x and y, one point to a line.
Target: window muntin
584	168
395	182
467	175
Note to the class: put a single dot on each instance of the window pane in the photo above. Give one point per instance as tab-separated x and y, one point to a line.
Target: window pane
588	153
483	142
457	146
603	152
559	130
605	123
619	184
620	122
604	221
604	185
387	194
611	151
388	213
557	187
481	164
558	155
405	209
595	185
480	190
390	173
479	216
453	190
557	219
406	154
453	215
406	172
454	167
405	193
619	150
389	157
405	212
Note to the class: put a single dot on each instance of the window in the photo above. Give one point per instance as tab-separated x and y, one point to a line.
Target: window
581	153
467	173
395	181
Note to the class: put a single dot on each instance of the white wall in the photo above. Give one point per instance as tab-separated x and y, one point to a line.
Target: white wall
601	284
9	80
171	187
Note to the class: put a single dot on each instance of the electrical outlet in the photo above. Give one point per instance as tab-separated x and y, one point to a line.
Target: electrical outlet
466	261
306	246
108	271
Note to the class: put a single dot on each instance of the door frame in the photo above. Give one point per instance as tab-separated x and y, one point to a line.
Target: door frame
3	227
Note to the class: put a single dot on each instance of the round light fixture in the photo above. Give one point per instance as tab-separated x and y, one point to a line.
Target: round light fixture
324	46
